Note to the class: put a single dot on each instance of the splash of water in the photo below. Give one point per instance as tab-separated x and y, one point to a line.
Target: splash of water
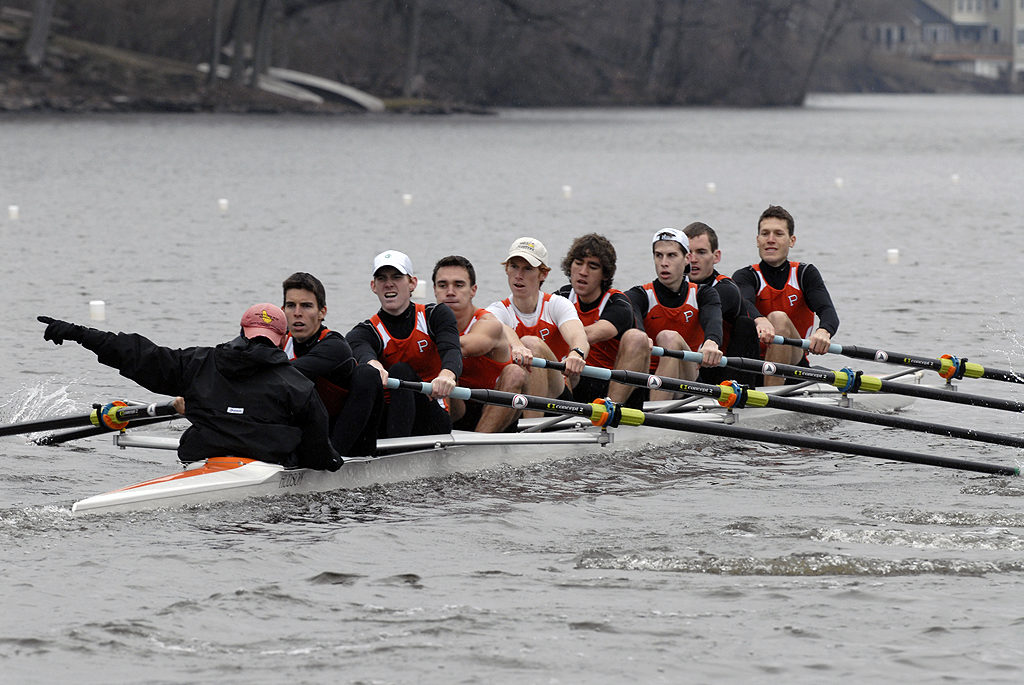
47	398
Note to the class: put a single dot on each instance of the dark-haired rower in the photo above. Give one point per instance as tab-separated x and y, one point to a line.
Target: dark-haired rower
616	340
486	353
739	332
351	392
787	294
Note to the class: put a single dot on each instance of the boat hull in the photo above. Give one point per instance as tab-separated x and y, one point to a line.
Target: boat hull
231	478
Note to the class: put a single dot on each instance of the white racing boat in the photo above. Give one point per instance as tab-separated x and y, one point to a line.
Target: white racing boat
402	459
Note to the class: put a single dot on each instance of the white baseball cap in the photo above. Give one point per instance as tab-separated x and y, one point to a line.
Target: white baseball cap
530	249
672	234
394	258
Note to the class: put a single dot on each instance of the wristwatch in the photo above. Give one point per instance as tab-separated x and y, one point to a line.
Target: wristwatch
579	352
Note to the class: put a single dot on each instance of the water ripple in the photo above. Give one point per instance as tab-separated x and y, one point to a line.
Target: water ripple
950	518
798	565
993	539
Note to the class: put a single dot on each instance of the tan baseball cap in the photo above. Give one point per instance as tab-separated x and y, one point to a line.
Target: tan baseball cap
530	249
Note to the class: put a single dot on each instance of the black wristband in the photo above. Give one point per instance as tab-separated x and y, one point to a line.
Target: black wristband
579	352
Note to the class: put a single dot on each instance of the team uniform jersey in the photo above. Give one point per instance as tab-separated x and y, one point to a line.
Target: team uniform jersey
739	334
326	359
414	346
794	288
551	312
694	312
612	306
417	349
733	304
480	371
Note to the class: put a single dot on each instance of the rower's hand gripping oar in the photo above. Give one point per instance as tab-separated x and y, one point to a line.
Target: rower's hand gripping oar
848	380
600	414
948	366
730	394
113	416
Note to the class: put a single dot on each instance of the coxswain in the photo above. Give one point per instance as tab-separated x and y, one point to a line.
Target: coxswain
243	398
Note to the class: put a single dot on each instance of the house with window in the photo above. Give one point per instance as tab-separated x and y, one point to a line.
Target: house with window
983	37
988	36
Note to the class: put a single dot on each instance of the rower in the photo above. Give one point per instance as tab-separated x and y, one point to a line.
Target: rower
787	294
351	392
486	353
544	325
243	398
616	339
739	332
411	342
678	314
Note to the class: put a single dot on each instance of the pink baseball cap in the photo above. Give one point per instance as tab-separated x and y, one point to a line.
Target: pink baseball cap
267	320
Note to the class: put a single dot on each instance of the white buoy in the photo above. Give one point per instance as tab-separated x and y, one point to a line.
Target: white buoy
222	205
420	291
710	185
892	255
839	182
97	310
955	178
567	192
406	199
12	212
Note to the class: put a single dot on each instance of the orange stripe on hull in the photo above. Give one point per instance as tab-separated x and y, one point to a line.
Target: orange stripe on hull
212	465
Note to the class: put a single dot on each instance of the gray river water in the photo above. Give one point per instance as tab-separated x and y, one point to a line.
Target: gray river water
732	563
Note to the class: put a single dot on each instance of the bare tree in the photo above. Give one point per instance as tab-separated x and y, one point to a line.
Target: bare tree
39	33
215	44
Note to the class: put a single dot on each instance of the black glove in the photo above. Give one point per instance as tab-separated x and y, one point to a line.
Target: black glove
58	331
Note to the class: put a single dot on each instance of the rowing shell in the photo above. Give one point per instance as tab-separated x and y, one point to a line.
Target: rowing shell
221	479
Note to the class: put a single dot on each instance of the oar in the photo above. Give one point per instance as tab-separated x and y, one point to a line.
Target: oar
850	382
110	415
948	366
728	397
599	414
67	436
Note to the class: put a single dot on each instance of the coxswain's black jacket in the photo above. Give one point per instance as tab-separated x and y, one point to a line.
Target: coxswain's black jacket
243	397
